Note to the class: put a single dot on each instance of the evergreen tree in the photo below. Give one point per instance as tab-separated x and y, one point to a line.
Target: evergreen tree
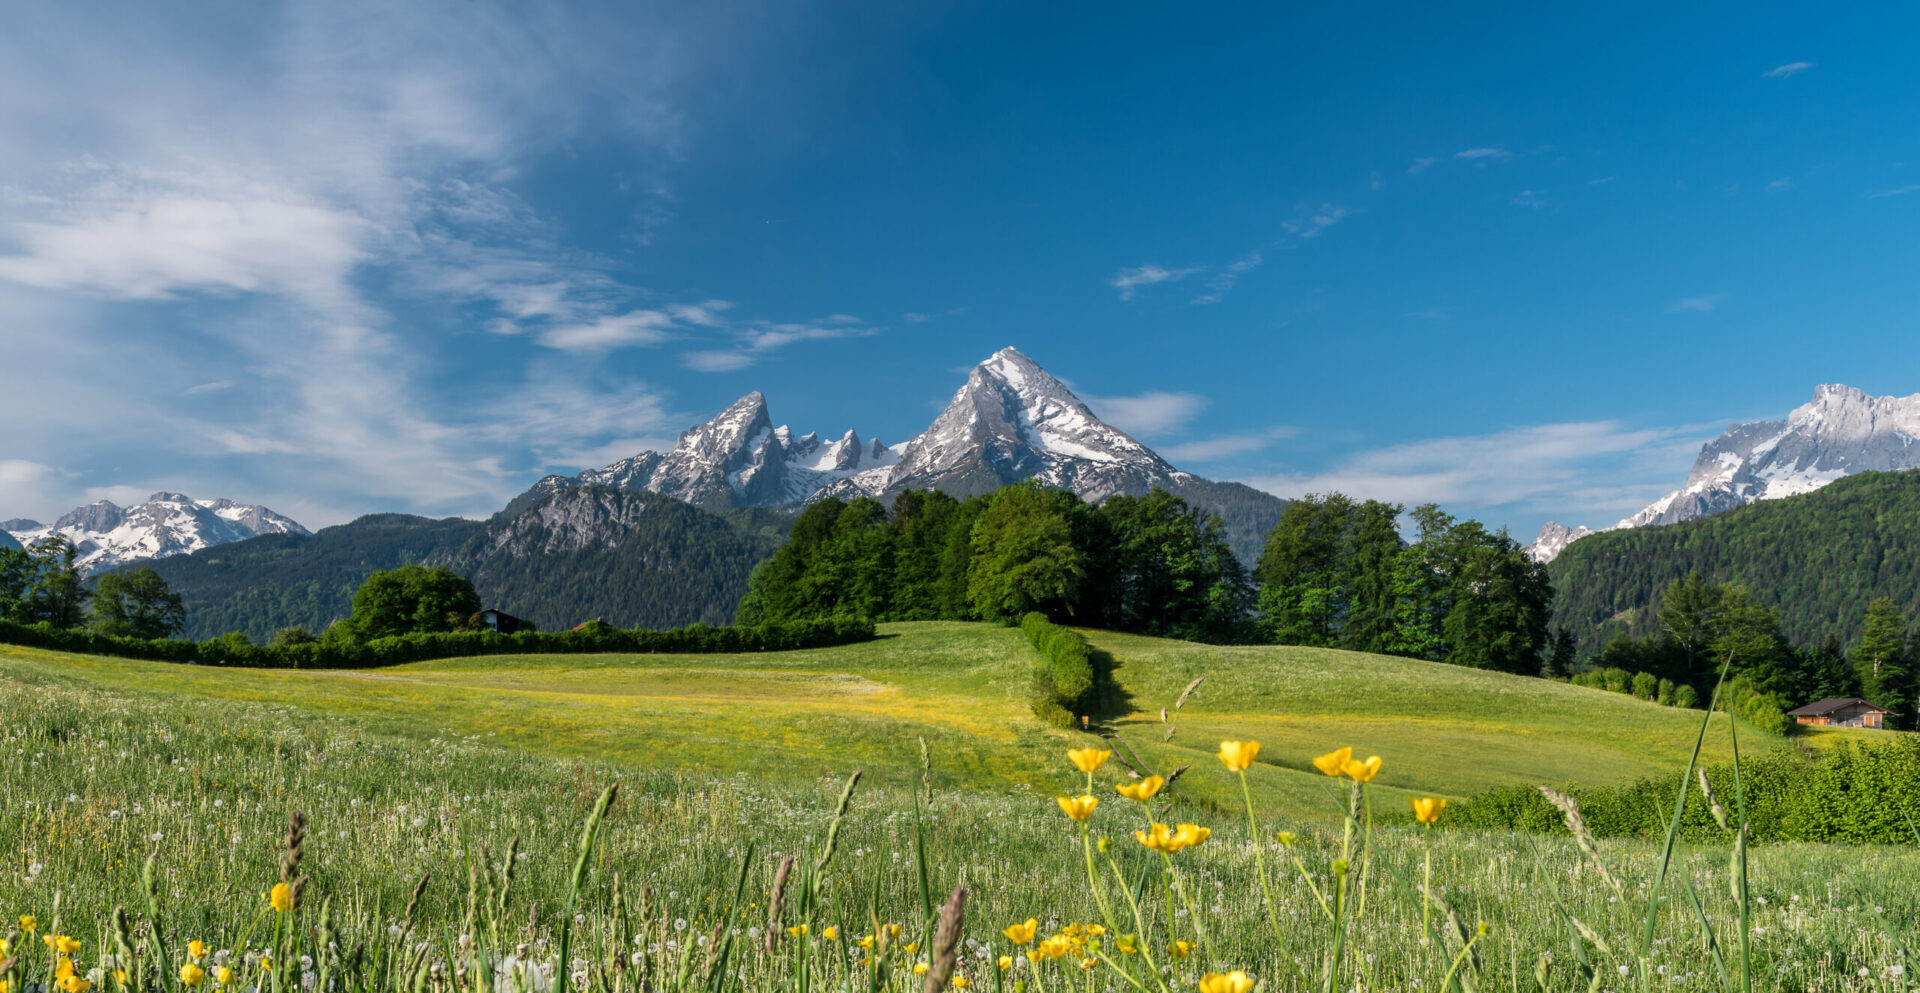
1689	612
1883	658
1560	663
1420	590
17	573
1302	598
136	604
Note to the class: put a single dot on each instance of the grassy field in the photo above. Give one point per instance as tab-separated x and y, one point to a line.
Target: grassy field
433	768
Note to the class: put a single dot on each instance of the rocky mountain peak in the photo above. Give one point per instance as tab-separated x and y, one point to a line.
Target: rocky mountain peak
168	523
1840	431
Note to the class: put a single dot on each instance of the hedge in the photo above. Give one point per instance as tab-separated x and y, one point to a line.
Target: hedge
1859	793
1063	684
335	654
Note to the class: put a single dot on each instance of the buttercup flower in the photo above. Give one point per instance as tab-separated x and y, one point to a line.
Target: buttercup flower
1056	947
1180	949
192	975
1144	790
223	975
1427	809
1361	772
196	949
1088	759
1238	755
74	984
830	932
919	968
281	897
1189	835
63	944
1021	934
1159	837
1078	808
27	923
1005	962
1333	763
961	982
1233	982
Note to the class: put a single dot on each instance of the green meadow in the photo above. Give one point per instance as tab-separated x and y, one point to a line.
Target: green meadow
477	775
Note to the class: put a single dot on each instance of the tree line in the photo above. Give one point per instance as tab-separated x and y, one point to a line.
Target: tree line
1699	626
1333	572
42	584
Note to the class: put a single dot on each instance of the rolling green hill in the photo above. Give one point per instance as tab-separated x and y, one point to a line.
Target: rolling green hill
795	716
1818	557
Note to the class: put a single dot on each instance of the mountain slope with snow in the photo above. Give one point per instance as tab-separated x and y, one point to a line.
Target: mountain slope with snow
1840	432
1011	421
108	536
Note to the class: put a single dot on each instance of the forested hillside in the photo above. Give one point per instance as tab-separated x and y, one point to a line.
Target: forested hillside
262	584
1819	558
630	558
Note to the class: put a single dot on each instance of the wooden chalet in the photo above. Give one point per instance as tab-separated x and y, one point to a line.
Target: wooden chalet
500	622
1845	712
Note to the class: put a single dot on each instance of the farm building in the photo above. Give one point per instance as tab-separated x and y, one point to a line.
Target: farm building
501	622
1846	712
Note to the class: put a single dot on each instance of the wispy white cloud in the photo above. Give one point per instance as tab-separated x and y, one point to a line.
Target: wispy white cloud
1226	446
1129	280
1311	222
1580	472
1781	185
213	387
1898	191
1697	304
638	328
1149	414
1224	280
1470	154
1531	198
1420	165
1790	69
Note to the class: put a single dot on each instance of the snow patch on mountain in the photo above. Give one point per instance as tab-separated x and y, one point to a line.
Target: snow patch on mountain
108	536
1841	431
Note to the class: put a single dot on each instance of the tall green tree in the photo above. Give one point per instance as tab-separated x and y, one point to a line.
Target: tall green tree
1024	555
1499	601
17	572
1690	614
1164	567
57	595
1302	572
1421	595
136	604
1883	659
411	599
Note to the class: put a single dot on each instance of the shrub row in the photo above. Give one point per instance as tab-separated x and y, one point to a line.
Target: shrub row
1859	794
1063	683
335	654
1643	685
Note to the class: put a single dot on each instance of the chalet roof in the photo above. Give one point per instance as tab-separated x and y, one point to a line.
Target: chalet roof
1821	708
497	612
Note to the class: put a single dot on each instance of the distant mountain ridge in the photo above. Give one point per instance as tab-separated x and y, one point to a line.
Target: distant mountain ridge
1010	422
1841	431
108	536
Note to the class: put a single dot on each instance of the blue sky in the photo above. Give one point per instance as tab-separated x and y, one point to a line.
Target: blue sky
345	257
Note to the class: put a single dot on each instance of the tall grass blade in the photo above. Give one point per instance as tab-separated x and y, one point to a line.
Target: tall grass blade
587	838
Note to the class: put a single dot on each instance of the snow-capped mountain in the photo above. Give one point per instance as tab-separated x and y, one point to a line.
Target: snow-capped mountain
738	459
1011	421
166	524
1841	432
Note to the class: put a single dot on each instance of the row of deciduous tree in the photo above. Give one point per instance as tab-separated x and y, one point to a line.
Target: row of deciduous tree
1334	572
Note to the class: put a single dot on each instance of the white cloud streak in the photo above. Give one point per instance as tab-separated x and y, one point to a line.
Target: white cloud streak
1784	71
1697	304
1129	280
1150	414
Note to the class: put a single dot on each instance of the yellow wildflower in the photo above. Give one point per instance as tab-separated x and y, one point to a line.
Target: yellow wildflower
1143	790
830	932
1361	772
1005	962
1056	947
191	974
27	923
919	968
1333	763
1096	929
961	982
1180	949
1159	837
1233	982
74	984
893	930
1078	808
1088	759
223	975
1427	809
281	897
62	943
910	949
1021	934
196	949
797	931
1189	835
63	968
1125	944
1089	963
866	942
1286	838
1238	755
